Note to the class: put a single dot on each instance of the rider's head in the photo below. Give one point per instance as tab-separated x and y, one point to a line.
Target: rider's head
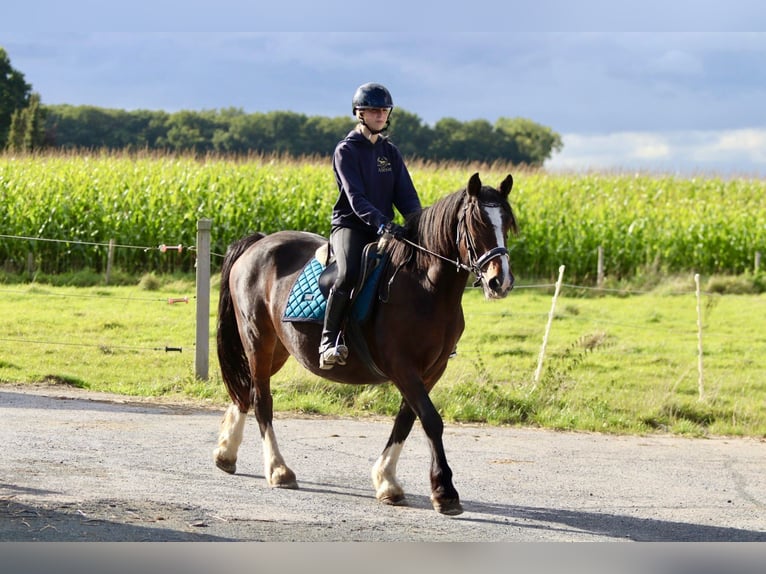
372	105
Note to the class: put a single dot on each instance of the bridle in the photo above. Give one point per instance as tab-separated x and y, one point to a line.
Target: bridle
476	264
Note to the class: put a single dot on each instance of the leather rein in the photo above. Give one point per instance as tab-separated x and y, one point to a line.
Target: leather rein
475	264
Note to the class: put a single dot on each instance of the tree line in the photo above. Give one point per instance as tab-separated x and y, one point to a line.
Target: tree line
28	125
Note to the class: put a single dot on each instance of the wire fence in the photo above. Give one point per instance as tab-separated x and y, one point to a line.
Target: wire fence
202	303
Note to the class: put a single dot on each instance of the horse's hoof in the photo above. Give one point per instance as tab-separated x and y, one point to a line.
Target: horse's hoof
226	466
450	507
283	478
394	500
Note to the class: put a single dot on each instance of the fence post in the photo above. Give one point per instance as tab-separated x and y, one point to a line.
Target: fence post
202	359
600	267
700	385
548	327
109	260
757	261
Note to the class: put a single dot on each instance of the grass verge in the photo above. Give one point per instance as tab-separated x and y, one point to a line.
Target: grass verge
616	361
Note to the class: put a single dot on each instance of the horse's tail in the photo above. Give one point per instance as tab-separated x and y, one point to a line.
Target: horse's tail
235	369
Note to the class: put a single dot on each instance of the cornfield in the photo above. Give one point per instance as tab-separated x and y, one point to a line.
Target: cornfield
60	212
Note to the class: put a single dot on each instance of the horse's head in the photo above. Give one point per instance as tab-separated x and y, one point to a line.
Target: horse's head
483	235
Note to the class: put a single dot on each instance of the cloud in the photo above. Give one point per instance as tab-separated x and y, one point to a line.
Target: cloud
726	152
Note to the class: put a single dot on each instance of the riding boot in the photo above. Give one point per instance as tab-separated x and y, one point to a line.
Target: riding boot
332	351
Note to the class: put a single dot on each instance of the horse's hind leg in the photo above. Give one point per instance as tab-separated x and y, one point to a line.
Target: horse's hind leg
387	488
229	439
275	470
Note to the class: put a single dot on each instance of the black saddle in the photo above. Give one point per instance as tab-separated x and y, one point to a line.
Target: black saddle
370	260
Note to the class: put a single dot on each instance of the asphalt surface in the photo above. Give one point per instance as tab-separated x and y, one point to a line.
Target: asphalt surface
79	466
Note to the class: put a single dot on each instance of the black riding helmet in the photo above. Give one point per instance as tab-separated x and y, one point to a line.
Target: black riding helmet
371	95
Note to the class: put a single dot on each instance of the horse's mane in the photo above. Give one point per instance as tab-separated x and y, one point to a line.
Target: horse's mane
435	227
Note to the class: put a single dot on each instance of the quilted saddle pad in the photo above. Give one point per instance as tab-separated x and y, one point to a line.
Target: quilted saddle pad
306	302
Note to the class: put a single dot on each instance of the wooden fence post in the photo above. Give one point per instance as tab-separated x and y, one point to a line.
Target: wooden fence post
202	359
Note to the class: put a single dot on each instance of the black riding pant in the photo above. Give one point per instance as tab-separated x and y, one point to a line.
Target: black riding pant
348	245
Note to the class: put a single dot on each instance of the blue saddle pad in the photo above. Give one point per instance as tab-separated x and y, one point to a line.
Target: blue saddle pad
306	302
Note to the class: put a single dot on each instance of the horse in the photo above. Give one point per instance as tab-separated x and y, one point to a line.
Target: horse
410	336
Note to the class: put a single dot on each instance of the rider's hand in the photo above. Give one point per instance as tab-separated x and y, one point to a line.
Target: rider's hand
394	230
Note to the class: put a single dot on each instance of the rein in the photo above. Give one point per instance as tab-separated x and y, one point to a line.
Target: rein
475	264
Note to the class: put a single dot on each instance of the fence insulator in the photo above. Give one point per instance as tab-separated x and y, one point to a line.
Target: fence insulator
172	300
164	248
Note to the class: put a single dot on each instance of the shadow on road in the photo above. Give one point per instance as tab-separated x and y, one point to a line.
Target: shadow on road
20	522
613	525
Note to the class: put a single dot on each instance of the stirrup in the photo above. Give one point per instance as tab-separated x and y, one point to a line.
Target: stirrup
331	356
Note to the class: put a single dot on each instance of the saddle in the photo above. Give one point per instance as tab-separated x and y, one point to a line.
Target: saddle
308	296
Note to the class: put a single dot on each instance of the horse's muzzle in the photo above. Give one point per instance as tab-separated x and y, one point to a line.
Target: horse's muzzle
499	285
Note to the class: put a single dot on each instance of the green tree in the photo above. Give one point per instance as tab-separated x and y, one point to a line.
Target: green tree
231	130
27	132
446	144
410	134
325	133
191	131
15	141
14	94
533	142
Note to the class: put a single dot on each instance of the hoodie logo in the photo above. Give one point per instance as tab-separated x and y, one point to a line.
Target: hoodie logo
384	166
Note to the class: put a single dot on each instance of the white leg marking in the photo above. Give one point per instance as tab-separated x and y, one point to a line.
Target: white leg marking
229	438
274	468
387	488
496	217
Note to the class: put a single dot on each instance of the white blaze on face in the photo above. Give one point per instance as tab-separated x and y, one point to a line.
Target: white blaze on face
495	215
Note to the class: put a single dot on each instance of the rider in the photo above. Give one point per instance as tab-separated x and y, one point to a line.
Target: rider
372	179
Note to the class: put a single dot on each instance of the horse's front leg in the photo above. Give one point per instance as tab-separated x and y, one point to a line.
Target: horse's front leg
444	496
387	488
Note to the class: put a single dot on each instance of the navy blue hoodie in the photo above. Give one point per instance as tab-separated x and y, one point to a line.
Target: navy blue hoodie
372	179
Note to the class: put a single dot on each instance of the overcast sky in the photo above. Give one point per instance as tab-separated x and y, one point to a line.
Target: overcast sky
662	100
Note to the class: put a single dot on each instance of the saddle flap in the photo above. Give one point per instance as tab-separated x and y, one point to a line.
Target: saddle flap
370	260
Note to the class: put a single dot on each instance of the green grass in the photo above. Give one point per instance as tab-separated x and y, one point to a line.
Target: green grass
615	363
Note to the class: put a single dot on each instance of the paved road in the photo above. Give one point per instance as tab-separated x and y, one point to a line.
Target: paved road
82	466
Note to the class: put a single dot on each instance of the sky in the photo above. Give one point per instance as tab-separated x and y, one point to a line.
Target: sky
676	86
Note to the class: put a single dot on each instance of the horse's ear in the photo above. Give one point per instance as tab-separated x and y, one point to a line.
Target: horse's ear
507	185
474	185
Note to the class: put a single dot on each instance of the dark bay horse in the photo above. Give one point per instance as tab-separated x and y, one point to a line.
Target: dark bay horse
410	336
